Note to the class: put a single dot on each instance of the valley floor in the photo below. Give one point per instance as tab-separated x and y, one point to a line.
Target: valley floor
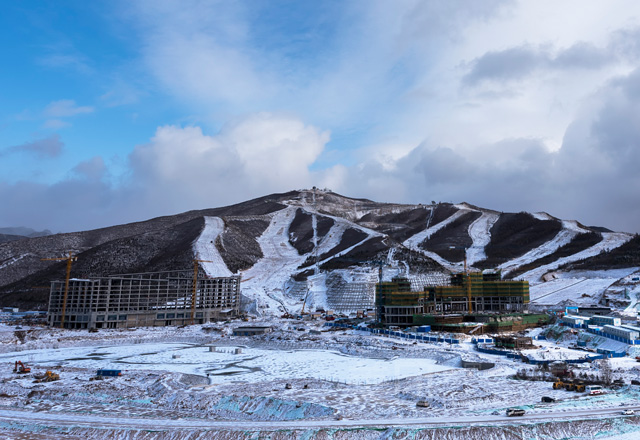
303	380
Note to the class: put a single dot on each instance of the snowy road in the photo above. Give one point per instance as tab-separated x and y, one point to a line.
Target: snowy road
93	421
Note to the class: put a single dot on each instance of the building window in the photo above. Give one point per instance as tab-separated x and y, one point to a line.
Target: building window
112	318
160	316
122	317
100	318
171	315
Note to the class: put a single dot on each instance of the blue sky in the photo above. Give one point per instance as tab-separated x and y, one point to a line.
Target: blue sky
114	111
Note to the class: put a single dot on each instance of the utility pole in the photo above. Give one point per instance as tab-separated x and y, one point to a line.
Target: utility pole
69	259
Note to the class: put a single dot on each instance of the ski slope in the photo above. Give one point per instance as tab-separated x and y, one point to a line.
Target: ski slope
610	240
479	231
570	230
205	248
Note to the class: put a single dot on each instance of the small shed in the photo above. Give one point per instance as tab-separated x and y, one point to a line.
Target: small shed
251	331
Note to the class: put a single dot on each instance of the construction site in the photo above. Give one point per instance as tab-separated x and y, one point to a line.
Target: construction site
143	299
467	302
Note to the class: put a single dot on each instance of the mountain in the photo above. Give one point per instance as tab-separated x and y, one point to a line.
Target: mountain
19	233
330	250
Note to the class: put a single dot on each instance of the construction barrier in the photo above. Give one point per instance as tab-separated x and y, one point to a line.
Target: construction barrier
516	355
397	334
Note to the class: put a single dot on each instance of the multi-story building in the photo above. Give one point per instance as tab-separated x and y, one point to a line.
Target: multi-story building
143	299
396	303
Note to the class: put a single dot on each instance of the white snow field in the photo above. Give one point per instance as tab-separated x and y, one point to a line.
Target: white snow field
578	288
223	366
288	378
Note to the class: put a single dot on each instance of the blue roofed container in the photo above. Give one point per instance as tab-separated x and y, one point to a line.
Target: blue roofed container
109	373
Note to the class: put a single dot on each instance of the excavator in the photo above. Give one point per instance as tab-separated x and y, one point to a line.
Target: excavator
21	368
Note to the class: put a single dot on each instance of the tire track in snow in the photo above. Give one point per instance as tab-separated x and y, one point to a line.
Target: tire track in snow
205	248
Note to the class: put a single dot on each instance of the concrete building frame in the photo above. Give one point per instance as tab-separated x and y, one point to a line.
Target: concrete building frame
143	300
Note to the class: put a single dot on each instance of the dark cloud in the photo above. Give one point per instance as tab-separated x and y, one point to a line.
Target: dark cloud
582	55
507	65
517	63
593	177
48	147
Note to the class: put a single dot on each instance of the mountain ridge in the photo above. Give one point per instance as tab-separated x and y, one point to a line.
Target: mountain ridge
308	238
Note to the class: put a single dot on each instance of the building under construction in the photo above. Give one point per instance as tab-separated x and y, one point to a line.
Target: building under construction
143	299
397	303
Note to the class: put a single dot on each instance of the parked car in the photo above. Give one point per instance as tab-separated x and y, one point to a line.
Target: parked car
547	399
513	412
628	412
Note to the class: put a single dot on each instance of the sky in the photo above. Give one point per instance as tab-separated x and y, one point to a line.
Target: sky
120	111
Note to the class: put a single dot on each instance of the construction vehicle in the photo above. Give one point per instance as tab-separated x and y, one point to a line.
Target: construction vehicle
21	368
569	385
48	376
558	384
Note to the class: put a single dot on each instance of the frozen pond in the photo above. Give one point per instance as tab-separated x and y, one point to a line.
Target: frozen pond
223	366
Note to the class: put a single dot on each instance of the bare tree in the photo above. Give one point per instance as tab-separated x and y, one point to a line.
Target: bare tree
606	373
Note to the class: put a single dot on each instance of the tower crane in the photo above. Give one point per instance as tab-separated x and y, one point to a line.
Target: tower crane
71	258
467	276
195	284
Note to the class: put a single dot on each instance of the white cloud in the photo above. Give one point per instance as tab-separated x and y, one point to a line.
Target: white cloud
65	108
252	156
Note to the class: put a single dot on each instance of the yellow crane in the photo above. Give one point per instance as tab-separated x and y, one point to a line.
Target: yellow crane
195	284
69	259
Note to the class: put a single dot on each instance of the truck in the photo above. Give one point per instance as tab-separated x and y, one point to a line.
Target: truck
515	412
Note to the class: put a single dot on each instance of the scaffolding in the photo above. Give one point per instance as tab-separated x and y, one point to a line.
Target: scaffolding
399	300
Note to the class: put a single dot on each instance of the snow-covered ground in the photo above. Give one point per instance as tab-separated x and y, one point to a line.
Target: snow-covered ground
288	374
579	288
224	366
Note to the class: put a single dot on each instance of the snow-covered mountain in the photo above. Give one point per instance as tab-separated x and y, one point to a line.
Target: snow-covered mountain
330	250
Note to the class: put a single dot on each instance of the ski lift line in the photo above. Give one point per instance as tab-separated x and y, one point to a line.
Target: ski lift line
562	288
